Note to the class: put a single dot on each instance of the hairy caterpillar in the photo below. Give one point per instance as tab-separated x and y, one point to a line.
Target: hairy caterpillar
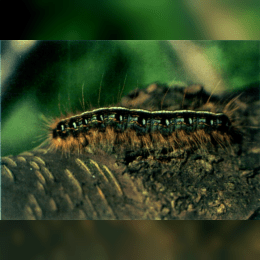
112	127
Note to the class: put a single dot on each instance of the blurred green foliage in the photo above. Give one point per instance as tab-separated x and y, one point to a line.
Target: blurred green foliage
52	76
153	19
114	19
237	61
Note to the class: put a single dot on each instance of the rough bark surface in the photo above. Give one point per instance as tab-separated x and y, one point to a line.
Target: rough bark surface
217	183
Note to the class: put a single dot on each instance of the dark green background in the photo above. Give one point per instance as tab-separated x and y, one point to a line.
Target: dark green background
146	19
54	72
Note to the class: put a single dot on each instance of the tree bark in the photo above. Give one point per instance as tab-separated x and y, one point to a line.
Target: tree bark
217	183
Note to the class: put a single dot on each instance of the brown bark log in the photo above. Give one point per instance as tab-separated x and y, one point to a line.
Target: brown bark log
182	184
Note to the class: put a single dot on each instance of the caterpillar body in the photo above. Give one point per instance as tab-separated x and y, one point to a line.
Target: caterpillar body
110	127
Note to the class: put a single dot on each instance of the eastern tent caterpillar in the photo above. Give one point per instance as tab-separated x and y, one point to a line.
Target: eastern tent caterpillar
112	127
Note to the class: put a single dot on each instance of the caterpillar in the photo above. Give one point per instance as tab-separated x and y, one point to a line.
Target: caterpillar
110	127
